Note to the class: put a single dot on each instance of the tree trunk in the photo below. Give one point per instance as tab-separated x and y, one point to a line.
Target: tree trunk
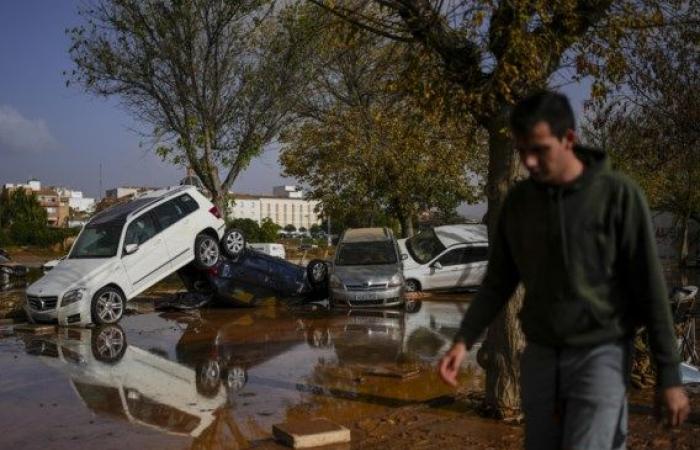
504	339
406	225
683	250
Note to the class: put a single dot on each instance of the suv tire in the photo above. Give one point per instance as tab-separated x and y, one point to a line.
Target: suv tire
206	251
233	243
107	306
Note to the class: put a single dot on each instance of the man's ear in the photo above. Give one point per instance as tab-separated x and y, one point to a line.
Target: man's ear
570	138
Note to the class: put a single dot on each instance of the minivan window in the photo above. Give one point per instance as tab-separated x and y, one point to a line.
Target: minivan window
97	241
476	254
140	230
168	213
424	246
366	253
453	257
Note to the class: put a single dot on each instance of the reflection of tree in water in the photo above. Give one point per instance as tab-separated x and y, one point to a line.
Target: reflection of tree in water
223	433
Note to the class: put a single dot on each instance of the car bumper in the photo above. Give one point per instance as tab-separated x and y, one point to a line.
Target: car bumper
71	315
368	299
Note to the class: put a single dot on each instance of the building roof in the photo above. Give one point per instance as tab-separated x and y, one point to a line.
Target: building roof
458	234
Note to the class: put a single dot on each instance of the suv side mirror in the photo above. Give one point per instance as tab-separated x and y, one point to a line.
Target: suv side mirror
130	248
436	265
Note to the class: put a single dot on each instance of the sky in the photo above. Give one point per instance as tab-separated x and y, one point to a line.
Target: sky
62	135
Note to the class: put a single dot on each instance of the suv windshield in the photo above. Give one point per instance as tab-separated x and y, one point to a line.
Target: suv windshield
424	246
97	241
366	254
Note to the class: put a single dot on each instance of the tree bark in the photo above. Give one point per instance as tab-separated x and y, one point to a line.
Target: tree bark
683	250
504	339
406	225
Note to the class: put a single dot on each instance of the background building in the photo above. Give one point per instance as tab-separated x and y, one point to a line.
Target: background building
286	206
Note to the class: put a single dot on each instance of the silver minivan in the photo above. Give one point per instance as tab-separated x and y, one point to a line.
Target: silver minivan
367	269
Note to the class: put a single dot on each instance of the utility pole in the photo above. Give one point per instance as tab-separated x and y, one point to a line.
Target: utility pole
99	195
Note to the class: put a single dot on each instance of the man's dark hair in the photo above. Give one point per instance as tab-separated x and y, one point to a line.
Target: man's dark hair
544	106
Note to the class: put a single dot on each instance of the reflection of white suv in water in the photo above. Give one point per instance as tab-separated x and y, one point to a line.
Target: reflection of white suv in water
123	251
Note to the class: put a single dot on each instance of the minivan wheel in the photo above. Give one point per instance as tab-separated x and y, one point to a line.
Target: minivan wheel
107	306
317	272
206	251
412	286
233	243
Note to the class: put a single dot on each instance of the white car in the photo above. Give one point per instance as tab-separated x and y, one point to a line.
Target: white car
123	251
271	249
445	257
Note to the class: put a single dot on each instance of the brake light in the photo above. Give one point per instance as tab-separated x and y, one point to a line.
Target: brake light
215	211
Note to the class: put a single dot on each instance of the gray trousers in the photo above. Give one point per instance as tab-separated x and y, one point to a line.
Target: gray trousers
575	398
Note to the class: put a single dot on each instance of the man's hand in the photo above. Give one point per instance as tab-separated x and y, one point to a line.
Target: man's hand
449	364
675	402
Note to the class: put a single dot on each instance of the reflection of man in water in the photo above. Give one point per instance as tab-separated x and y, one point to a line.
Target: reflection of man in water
579	237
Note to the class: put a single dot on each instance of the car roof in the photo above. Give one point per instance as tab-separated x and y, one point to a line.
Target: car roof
450	235
366	235
121	211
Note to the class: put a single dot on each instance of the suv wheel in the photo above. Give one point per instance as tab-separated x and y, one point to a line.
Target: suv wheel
206	251
233	243
107	306
317	272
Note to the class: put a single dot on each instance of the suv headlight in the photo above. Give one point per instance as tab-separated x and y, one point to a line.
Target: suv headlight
72	296
335	282
396	280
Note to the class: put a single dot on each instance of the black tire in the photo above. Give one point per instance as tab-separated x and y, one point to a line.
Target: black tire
412	286
317	272
108	343
107	306
206	251
233	243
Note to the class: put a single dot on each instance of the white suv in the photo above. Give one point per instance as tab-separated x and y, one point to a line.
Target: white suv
123	251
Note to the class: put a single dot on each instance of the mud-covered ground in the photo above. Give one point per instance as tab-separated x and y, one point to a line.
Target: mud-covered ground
220	377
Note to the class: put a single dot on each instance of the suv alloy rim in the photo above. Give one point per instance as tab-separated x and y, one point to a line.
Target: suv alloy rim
208	251
234	242
109	307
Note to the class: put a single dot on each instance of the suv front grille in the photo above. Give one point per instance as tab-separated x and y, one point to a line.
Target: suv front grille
42	303
362	287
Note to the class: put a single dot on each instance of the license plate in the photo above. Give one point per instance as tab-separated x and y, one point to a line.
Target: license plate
361	297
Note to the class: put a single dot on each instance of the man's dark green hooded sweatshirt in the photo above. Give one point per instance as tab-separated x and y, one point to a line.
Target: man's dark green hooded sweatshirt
586	254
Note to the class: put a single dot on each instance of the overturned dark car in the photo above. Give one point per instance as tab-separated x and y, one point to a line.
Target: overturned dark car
244	276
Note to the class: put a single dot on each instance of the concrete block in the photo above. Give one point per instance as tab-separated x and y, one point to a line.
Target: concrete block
310	433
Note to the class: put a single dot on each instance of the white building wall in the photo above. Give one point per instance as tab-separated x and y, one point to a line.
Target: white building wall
245	208
285	211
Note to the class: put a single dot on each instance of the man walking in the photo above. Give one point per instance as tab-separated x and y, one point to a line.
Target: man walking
579	237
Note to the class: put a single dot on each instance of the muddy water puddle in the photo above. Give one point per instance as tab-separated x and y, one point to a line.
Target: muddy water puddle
221	377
